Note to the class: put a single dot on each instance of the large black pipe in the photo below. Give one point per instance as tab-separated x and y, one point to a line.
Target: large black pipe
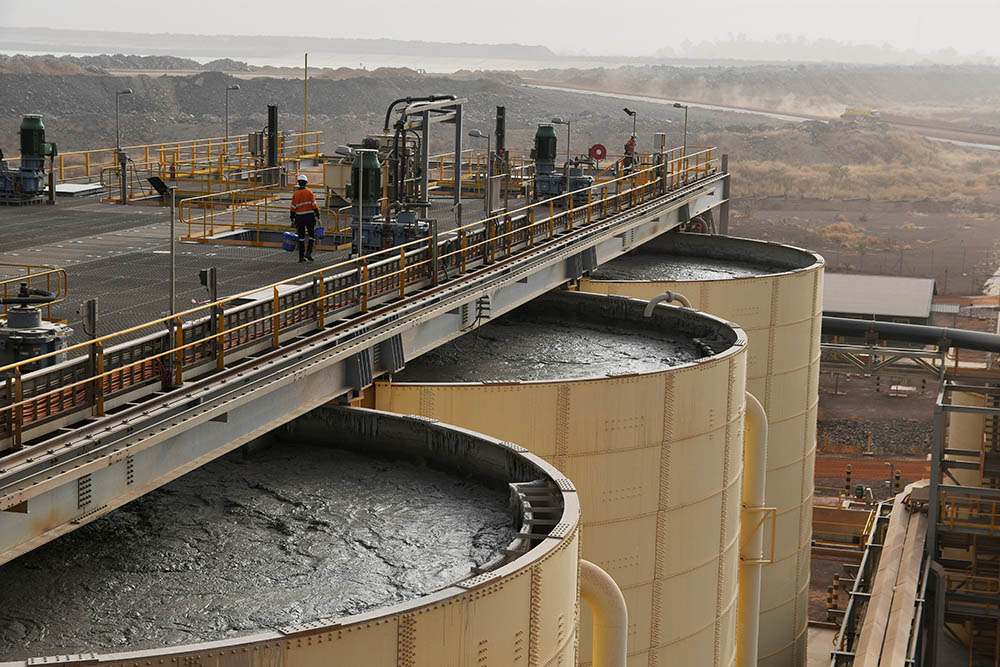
410	100
912	333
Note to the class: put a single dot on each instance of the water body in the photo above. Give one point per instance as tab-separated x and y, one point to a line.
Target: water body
661	266
292	534
520	347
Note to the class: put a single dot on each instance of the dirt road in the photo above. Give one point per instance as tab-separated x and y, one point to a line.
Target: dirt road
931	130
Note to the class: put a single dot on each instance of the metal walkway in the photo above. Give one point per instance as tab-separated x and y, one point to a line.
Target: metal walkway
115	421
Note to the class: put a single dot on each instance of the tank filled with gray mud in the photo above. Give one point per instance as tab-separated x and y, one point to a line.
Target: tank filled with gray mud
312	526
700	257
573	335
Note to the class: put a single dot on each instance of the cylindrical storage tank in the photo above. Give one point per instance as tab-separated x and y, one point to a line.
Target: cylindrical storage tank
965	431
651	435
775	292
519	607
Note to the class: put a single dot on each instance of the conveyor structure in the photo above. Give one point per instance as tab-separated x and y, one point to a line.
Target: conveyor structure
126	413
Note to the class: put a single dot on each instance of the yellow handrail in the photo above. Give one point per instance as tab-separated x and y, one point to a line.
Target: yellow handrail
33	273
630	190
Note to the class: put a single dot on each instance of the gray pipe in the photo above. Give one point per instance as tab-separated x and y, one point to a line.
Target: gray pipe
912	333
410	100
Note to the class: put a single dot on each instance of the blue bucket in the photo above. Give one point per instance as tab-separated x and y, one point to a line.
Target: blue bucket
290	241
320	232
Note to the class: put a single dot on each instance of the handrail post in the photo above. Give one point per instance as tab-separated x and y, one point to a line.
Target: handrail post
321	304
17	417
590	198
275	321
98	352
220	341
434	252
463	252
364	285
179	354
402	273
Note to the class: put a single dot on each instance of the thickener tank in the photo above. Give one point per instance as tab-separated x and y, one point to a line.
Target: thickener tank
650	432
520	607
775	293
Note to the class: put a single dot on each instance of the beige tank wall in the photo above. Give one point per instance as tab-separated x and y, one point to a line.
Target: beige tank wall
965	431
657	461
782	317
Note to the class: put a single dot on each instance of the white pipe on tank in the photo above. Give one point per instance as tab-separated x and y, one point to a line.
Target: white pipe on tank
751	552
607	604
668	297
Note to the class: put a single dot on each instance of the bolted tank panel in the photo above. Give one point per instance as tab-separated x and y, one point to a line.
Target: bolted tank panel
655	454
522	609
775	293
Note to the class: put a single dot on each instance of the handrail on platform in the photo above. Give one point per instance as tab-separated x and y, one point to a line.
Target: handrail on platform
211	331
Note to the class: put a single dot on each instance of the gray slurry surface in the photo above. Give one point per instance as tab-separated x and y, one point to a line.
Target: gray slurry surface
515	348
661	266
292	534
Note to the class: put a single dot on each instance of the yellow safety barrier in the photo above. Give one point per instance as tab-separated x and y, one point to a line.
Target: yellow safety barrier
971	512
86	165
49	278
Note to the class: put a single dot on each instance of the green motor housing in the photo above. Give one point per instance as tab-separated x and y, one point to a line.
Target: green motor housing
32	136
371	177
545	144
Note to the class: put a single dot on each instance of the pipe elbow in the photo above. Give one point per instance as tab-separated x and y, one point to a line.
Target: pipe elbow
668	297
607	603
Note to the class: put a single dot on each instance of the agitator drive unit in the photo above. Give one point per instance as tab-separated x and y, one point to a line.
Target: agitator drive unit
23	334
377	231
28	181
548	181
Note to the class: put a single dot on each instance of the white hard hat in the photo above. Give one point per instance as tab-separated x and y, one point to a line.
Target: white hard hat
302	178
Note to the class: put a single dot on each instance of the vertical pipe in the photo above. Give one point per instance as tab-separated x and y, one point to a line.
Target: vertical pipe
607	604
305	104
173	258
425	156
751	553
458	160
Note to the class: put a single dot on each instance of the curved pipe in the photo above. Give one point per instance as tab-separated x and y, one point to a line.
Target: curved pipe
668	297
912	333
29	296
751	549
607	603
410	100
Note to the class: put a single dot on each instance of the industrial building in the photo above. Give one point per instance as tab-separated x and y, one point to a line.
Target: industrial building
662	515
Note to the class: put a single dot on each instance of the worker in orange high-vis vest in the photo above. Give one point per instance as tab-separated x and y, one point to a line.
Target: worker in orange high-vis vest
304	214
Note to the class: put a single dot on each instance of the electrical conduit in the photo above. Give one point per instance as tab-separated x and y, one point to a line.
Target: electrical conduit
752	543
607	604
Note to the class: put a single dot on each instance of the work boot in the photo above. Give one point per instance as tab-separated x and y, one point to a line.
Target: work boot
309	258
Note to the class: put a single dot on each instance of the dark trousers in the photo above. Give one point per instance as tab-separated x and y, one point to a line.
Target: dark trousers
305	227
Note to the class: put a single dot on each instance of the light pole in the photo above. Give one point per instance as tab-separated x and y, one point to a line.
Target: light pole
559	121
488	190
118	134
119	156
633	114
235	86
678	105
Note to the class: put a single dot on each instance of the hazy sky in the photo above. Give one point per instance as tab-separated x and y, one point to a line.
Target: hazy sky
639	27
